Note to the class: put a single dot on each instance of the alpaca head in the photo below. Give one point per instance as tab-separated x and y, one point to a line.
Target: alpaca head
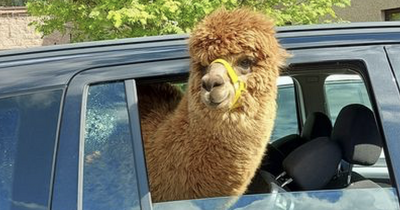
245	41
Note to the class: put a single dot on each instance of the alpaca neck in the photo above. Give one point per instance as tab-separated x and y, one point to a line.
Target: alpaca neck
255	122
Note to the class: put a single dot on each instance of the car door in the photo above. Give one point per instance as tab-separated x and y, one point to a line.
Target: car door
100	158
380	84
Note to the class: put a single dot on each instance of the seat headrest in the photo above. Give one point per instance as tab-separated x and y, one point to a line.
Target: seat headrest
357	133
316	125
313	165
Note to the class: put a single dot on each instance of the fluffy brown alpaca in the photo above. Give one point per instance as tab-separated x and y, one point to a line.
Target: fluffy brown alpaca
200	144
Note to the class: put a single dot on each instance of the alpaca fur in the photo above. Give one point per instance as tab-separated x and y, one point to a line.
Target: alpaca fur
193	151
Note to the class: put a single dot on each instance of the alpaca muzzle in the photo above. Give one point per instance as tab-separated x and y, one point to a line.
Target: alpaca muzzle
239	85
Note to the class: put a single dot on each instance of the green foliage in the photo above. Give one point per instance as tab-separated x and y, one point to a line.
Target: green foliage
113	19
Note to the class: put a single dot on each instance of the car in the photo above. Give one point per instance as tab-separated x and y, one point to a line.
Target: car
70	134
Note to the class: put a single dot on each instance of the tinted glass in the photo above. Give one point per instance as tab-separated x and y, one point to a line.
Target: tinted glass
28	130
342	90
362	199
286	116
109	180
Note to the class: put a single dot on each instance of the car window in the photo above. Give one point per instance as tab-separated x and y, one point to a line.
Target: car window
286	116
28	130
342	90
110	174
365	199
109	179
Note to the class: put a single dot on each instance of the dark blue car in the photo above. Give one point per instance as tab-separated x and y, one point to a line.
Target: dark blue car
70	135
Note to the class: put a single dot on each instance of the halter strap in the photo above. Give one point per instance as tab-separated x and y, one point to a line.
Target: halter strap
239	85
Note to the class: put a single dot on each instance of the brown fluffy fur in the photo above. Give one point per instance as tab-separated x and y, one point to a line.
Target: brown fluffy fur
193	151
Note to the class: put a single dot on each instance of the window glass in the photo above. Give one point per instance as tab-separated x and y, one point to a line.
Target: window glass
13	2
342	90
286	116
392	14
365	199
28	130
109	180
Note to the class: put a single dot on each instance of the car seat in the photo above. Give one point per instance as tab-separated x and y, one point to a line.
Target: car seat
316	125
356	135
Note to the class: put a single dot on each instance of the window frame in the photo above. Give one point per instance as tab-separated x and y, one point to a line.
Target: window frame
380	84
387	13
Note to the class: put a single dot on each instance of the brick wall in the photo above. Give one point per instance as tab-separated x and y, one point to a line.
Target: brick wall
15	32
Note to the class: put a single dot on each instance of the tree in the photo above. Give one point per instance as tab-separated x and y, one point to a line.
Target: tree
112	19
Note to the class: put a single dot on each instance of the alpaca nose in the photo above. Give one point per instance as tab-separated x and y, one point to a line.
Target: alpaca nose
208	83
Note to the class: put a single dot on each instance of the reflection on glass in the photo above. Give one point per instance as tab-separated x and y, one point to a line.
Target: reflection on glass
342	90
345	199
286	116
109	170
395	16
28	128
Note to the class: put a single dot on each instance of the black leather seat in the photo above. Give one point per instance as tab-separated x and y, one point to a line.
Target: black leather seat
312	165
316	125
355	140
357	134
319	163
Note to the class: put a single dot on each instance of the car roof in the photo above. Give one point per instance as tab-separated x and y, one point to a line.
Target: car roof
48	66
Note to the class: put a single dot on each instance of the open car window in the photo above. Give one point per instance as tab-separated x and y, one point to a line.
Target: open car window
109	168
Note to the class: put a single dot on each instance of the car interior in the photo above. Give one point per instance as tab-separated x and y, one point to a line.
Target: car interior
322	154
335	132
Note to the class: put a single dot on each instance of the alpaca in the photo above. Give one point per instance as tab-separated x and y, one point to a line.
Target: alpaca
210	141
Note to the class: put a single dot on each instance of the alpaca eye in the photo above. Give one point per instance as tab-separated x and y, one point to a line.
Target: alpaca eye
245	64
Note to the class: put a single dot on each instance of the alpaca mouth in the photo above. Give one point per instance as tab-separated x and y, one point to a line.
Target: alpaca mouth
215	102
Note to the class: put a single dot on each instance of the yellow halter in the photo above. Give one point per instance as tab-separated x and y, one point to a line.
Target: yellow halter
239	85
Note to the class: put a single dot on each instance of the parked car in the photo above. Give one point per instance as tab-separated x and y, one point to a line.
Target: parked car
70	132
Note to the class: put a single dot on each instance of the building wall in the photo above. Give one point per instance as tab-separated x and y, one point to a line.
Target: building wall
15	31
367	10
